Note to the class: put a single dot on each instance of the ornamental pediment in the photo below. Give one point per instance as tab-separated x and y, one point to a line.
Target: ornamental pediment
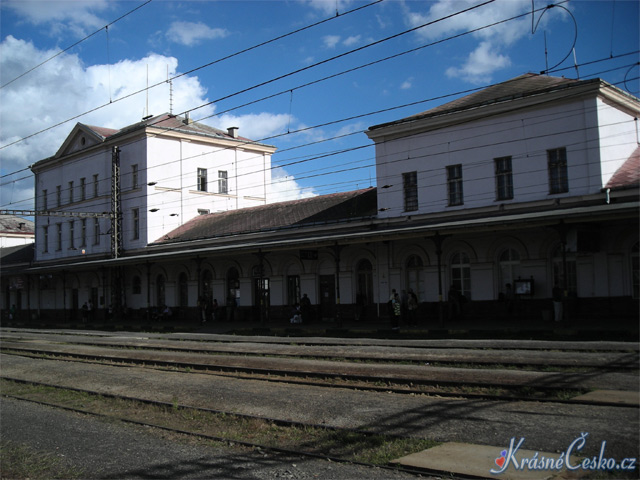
83	137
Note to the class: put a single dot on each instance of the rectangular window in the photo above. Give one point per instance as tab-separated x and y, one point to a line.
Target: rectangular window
58	195
504	178
410	189
454	184
222	182
96	231
95	185
59	237
71	234
83	189
136	223
45	239
558	179
203	211
45	203
83	232
70	192
202	179
134	176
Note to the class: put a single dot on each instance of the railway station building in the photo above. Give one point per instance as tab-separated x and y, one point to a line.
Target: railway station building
486	206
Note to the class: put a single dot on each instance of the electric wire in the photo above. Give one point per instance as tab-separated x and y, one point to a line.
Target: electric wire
278	166
106	27
190	71
382	162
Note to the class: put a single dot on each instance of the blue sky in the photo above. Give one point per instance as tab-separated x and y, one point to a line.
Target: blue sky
318	128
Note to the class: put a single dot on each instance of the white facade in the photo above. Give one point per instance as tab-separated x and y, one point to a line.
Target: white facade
513	189
170	171
596	136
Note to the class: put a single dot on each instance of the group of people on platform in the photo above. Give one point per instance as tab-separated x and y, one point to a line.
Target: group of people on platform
403	308
301	311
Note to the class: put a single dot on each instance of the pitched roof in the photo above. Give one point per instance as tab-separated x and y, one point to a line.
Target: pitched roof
333	208
518	87
628	175
84	136
17	256
176	123
16	225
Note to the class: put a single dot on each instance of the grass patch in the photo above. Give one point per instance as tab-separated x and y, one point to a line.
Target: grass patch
23	462
376	449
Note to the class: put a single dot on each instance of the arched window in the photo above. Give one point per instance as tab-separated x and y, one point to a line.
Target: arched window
635	270
509	265
559	273
415	274
136	285
160	291
461	274
183	290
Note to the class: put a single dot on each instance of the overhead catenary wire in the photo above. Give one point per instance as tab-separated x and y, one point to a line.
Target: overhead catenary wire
382	161
75	117
278	166
347	12
77	43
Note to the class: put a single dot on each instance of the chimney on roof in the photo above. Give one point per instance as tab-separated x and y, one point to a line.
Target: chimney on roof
233	132
186	120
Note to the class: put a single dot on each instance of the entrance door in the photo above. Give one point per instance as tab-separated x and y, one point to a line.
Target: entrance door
261	298
74	304
364	293
327	297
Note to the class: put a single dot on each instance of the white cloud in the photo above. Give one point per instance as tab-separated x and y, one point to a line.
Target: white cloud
253	126
351	41
190	33
284	187
407	84
330	41
77	17
329	7
489	55
480	64
71	88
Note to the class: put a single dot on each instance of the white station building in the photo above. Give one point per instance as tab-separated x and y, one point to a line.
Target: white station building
532	182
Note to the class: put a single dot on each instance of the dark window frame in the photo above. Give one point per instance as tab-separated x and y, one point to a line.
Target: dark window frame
202	180
454	185
223	182
410	191
504	178
558	172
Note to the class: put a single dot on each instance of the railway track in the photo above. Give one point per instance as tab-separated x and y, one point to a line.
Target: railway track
452	379
501	374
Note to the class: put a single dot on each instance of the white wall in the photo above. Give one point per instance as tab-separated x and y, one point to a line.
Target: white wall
97	162
618	133
525	136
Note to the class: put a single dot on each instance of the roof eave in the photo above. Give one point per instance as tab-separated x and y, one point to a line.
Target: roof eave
436	120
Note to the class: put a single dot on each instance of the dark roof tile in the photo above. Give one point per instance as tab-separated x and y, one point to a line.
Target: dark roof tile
337	207
628	175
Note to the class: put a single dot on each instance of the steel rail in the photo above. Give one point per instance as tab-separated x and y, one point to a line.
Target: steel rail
288	377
